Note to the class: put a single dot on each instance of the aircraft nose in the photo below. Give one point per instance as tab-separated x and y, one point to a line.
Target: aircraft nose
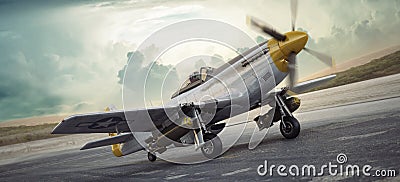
295	42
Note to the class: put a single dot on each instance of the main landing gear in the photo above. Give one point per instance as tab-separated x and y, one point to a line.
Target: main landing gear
209	143
290	126
204	138
212	146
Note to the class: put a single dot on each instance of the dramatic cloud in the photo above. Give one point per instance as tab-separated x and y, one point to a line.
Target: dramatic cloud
51	63
356	28
360	26
145	82
68	57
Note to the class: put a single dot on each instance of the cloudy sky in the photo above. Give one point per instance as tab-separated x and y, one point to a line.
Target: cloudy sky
68	57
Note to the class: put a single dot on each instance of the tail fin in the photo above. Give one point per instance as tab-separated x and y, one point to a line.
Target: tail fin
111	107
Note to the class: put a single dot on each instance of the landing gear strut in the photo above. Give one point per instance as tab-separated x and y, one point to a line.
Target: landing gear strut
289	127
209	143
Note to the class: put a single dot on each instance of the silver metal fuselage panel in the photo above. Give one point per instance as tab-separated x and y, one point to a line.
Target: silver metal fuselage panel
247	84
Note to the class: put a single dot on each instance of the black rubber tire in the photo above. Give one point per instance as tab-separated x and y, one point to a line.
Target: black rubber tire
151	157
292	129
212	141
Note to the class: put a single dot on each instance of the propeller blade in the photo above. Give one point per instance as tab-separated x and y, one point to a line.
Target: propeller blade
264	27
322	57
292	69
293	7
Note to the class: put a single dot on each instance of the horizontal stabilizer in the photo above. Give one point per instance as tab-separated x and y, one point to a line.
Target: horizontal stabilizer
109	141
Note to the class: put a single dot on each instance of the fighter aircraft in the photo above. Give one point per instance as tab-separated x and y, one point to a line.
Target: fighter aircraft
238	86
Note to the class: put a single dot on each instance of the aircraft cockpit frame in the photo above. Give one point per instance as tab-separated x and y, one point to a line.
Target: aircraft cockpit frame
195	79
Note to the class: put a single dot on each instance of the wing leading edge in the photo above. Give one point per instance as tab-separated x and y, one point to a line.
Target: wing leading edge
307	85
112	122
141	120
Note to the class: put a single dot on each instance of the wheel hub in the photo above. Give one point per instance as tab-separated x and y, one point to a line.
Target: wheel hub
288	127
208	147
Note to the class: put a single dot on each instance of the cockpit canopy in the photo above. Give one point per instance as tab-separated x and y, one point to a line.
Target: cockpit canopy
195	79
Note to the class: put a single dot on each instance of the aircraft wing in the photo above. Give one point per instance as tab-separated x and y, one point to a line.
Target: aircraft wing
307	85
114	121
141	120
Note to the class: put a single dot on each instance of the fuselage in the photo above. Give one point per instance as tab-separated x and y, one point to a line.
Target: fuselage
248	77
236	79
244	81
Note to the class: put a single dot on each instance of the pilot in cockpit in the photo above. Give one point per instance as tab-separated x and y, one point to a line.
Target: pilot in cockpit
195	76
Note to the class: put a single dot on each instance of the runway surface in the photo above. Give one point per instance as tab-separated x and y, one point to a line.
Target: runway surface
366	131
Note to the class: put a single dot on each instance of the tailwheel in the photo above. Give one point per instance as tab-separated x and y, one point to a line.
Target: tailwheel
212	147
291	128
151	157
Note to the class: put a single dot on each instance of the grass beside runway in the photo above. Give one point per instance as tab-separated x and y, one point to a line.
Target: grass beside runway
21	134
384	66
